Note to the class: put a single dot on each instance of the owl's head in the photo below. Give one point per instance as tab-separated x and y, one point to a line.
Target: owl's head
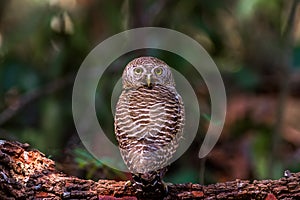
147	72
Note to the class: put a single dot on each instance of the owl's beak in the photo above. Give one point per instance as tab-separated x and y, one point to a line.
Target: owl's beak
148	79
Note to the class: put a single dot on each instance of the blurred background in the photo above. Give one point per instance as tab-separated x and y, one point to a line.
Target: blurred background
255	44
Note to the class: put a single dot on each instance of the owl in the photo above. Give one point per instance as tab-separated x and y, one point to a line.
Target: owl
149	121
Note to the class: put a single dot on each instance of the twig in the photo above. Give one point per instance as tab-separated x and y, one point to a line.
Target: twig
29	97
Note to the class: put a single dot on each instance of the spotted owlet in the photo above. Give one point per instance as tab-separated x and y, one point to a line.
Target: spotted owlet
149	121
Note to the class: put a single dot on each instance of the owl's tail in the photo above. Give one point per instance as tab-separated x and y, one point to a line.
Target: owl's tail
150	184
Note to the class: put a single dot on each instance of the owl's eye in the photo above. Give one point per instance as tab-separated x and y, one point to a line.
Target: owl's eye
158	71
138	70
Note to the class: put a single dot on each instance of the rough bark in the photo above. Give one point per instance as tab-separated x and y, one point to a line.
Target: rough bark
29	174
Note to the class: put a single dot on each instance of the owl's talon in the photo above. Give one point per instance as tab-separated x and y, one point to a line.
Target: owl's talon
165	187
127	184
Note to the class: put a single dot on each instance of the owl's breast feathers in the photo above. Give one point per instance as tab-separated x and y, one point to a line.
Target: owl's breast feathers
148	126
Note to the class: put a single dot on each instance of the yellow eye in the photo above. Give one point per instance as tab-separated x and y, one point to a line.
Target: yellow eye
138	70
158	71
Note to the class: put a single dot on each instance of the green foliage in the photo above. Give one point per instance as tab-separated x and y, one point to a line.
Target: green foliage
184	176
86	160
261	151
261	156
296	58
92	166
246	78
246	9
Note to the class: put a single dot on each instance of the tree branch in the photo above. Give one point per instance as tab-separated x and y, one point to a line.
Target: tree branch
28	174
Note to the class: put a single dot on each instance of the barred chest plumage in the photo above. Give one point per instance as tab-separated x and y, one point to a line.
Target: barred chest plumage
148	126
